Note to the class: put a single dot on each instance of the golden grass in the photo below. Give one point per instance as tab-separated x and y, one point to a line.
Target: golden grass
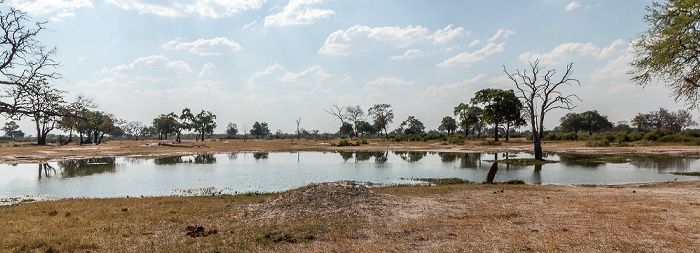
448	218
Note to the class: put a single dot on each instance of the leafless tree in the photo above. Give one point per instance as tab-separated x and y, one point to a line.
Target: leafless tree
540	94
298	122
338	112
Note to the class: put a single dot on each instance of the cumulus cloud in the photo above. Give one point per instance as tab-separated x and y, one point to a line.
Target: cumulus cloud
152	68
501	33
567	51
216	46
207	69
410	54
467	58
360	38
62	8
183	8
278	75
392	82
452	91
572	5
298	12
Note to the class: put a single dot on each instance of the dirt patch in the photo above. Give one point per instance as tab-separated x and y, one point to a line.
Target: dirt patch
324	200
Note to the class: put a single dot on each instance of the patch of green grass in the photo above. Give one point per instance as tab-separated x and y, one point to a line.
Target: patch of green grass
695	174
444	181
525	161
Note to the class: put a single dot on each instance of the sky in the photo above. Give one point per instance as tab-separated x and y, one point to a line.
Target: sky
276	61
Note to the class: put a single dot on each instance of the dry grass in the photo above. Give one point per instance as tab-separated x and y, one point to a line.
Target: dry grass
345	217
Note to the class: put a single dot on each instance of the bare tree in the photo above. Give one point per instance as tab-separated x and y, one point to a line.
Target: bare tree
354	114
298	122
24	61
245	132
337	111
540	96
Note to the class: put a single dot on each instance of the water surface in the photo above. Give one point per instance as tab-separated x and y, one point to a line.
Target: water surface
271	172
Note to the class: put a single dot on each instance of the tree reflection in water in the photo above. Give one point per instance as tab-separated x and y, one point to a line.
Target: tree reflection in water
198	159
86	167
411	157
46	169
259	156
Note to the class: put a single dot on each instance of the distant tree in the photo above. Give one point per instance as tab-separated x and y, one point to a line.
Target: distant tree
72	120
354	114
338	112
204	122
588	121
622	126
133	128
244	129
540	94
165	125
44	105
186	122
260	130
382	115
346	129
12	131
499	106
231	130
298	123
663	119
364	127
448	124
668	52
412	126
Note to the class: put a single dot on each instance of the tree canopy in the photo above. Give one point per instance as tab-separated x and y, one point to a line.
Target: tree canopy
669	51
499	106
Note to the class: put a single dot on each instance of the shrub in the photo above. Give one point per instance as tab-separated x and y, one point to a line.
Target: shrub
491	143
600	143
344	143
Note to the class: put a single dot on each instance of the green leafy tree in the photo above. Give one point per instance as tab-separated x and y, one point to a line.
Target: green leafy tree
669	51
364	127
382	115
448	124
204	124
165	125
260	130
412	126
346	129
231	130
12	131
500	106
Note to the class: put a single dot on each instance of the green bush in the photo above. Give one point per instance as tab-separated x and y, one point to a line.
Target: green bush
491	143
344	143
600	143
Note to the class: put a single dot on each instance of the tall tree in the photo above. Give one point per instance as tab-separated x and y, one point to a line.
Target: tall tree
500	106
448	124
382	115
204	122
11	130
24	61
298	123
133	128
669	51
540	94
45	104
231	130
354	114
260	130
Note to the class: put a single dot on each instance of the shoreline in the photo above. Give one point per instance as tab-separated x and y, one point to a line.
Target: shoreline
28	153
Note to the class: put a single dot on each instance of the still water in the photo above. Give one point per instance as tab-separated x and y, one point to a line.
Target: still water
271	172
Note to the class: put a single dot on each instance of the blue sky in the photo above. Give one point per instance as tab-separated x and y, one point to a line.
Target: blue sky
276	61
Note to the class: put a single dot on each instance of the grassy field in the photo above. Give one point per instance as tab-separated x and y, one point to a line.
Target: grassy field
351	218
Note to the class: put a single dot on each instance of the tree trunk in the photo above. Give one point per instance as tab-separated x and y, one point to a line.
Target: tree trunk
508	131
495	132
492	173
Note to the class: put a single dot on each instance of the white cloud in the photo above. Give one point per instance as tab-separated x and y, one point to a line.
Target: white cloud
207	69
276	75
474	43
183	8
64	8
446	34
452	91
360	38
392	82
298	12
153	68
568	51
216	46
501	33
562	53
466	58
250	25
410	54
572	5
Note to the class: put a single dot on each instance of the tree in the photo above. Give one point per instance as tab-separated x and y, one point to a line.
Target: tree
354	114
448	124
364	127
298	122
500	106
540	95
204	122
260	130
663	119
588	121
231	130
382	115
24	61
72	120
346	129
44	104
412	126
133	128
245	132
165	125
12	131
669	51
